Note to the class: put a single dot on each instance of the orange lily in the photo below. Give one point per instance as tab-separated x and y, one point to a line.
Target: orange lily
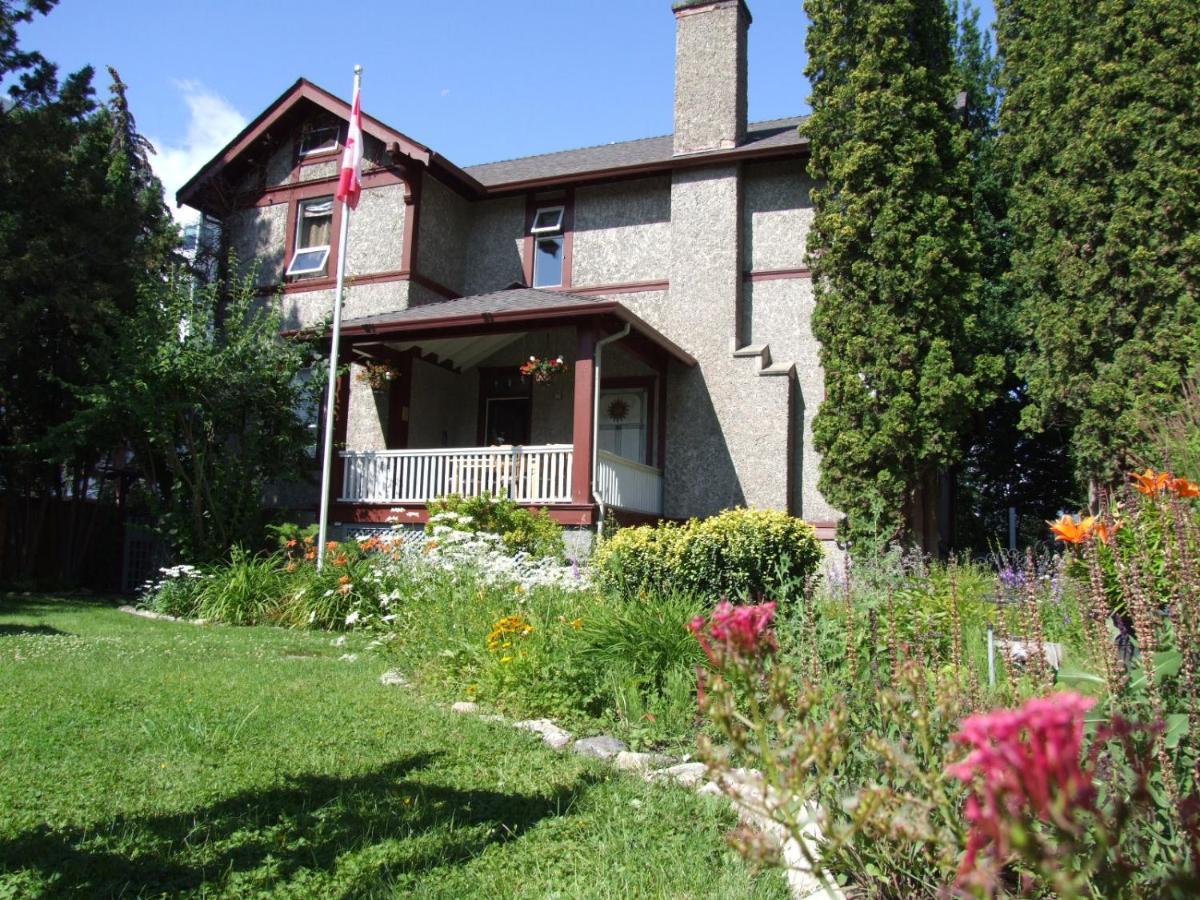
1151	482
1067	529
1105	531
1185	488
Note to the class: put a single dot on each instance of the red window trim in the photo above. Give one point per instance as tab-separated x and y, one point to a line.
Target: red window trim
565	199
299	196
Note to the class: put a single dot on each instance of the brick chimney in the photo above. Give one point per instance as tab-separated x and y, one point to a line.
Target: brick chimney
710	74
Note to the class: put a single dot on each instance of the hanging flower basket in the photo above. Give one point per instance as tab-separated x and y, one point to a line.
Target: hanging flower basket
378	375
544	368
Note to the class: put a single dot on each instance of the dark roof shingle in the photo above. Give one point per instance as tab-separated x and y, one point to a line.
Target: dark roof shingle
512	300
774	133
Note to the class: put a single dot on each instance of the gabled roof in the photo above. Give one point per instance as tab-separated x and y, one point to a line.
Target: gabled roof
775	137
305	92
512	308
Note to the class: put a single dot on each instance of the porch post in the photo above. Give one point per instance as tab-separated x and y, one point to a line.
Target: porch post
581	437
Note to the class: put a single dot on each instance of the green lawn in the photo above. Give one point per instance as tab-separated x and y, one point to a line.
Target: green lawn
140	758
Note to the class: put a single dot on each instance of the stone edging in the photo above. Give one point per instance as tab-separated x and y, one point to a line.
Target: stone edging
750	798
150	614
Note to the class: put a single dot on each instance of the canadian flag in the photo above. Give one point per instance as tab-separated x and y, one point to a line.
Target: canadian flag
350	182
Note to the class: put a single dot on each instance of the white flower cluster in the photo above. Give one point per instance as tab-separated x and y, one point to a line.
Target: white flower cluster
484	555
168	574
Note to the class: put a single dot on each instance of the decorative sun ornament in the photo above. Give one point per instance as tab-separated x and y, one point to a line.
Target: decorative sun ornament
618	410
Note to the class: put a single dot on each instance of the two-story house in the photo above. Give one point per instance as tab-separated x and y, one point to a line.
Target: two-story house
669	273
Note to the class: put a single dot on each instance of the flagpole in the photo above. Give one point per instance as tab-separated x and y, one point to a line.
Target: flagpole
331	388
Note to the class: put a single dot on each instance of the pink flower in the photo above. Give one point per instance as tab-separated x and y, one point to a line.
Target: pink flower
1024	762
740	631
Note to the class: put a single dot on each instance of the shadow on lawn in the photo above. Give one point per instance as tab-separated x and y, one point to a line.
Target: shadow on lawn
307	823
15	629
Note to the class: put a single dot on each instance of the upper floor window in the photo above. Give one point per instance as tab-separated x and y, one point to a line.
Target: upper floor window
547	246
319	140
314	227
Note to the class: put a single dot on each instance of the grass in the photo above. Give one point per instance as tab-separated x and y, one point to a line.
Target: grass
144	758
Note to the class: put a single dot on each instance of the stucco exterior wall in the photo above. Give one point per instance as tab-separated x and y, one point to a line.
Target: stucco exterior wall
435	407
279	164
728	429
618	363
493	253
552	402
302	310
258	235
367	419
375	237
418	295
622	232
442	234
710	76
777	214
326	168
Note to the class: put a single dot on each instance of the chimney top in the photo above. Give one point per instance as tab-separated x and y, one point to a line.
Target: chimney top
678	6
710	74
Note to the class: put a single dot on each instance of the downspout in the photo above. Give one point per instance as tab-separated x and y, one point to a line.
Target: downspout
600	344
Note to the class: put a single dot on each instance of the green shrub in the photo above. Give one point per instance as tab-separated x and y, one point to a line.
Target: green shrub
648	635
177	593
738	553
522	530
243	592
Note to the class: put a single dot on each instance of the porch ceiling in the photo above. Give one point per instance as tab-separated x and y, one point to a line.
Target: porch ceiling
457	353
506	313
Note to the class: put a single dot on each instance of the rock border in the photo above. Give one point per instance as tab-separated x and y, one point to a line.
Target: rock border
746	790
163	617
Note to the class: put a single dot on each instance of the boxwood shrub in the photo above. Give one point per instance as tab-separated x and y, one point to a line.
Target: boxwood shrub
738	553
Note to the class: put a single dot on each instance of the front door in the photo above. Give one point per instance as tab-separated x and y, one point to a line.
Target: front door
506	421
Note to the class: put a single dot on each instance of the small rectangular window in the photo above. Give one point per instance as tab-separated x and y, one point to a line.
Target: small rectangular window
547	261
314	226
319	140
547	220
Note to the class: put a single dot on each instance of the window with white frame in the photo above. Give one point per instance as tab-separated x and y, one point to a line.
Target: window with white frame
319	140
548	220
314	227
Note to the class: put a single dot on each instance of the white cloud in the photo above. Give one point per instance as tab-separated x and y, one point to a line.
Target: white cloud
212	123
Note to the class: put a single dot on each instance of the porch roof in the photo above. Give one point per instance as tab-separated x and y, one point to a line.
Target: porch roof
513	309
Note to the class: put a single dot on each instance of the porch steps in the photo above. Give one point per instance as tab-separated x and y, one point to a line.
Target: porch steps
765	365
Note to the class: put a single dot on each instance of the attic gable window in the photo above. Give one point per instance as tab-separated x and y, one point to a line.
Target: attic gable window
319	140
314	226
547	246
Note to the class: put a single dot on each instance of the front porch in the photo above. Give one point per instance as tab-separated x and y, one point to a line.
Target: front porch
458	417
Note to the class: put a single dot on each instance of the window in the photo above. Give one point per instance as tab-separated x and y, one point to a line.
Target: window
623	423
314	225
319	140
547	221
547	246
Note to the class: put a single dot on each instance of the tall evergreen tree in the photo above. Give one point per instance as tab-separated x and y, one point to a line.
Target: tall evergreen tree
895	258
1100	138
1002	467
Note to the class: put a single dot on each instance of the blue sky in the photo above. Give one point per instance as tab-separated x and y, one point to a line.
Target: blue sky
477	80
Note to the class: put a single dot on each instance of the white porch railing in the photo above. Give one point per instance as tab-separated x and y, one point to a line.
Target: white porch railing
628	485
538	474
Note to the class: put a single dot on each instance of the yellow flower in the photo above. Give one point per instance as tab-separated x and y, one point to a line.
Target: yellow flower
506	659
